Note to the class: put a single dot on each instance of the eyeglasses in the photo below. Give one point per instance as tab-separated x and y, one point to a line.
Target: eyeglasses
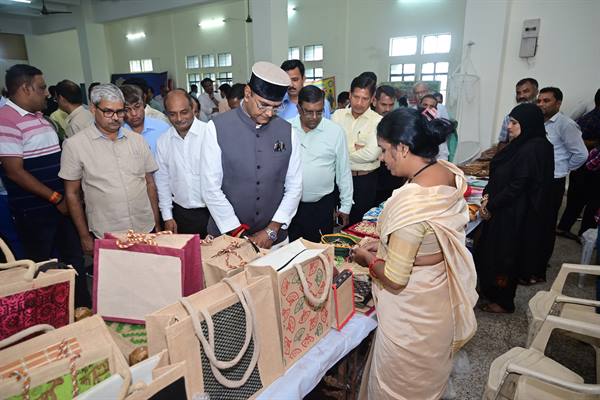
315	114
108	113
265	107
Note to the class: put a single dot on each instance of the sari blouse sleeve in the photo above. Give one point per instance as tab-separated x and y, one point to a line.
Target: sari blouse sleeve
401	253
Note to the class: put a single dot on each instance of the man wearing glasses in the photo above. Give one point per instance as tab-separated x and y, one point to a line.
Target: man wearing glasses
251	165
114	168
325	161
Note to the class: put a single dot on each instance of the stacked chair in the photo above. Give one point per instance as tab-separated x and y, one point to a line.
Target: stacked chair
526	373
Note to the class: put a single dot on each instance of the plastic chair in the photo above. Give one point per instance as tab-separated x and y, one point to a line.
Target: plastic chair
543	302
466	152
526	374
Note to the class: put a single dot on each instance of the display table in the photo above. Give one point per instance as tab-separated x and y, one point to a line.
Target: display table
308	371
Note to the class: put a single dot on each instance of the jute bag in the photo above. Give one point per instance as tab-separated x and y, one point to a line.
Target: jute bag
302	274
227	334
31	295
225	256
136	274
152	378
61	363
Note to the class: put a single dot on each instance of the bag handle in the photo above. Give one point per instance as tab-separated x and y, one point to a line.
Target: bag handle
208	347
10	257
31	267
40	328
312	299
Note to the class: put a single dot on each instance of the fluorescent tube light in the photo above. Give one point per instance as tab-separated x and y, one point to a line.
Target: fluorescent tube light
137	35
211	23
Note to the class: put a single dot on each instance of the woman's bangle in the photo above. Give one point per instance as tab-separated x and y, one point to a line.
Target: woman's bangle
55	198
372	266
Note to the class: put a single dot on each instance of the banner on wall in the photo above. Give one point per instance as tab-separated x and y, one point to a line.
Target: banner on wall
154	79
405	89
328	86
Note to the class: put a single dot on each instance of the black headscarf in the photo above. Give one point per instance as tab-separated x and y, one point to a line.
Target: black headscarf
531	120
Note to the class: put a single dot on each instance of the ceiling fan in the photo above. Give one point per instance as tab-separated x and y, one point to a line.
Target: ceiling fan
44	10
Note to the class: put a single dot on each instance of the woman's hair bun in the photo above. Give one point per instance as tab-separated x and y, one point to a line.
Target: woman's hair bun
437	129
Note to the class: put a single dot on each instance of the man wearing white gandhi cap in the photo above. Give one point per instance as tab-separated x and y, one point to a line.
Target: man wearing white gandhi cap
251	163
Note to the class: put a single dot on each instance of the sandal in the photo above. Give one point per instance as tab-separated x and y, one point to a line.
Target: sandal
494	309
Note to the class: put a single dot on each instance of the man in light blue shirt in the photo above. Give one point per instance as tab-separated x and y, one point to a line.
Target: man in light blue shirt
135	118
288	109
325	162
569	150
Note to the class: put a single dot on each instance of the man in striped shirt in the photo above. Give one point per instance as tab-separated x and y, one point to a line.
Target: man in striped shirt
30	158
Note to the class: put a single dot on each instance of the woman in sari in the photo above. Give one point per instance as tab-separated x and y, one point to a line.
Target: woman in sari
516	211
423	275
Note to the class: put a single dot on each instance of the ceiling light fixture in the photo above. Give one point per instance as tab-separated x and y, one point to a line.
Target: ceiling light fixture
291	10
211	23
22	1
137	35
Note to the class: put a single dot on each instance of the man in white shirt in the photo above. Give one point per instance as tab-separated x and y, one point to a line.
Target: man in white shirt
325	162
569	150
251	163
209	100
178	176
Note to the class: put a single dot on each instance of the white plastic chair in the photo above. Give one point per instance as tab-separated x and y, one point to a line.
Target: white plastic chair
466	151
526	374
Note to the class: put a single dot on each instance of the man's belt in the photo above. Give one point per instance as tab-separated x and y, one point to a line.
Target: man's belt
361	173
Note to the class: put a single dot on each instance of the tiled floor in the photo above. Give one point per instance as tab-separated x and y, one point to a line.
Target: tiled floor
496	334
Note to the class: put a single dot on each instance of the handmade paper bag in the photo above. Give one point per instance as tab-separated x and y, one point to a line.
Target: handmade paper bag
343	298
136	274
226	256
30	294
301	273
227	334
62	363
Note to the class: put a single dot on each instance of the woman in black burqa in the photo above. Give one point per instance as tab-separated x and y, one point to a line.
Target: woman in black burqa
516	211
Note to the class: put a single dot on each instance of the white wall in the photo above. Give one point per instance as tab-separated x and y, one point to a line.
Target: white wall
568	56
57	55
355	33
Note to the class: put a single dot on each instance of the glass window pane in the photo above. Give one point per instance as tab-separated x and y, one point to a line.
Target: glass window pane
443	81
426	77
443	43
147	65
395	78
318	73
309	53
409	68
403	46
429	44
294	53
192	62
427	68
224	59
396	69
208	61
318	53
135	66
409	78
441	67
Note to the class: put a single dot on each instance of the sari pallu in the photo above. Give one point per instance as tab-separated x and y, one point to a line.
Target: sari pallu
421	326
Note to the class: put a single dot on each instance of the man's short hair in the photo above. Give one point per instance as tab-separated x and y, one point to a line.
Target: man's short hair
192	87
428	96
226	87
289	65
440	96
531	81
70	91
343	97
421	83
206	81
597	98
92	85
132	94
310	94
139	82
556	92
387	90
17	75
363	82
371	75
108	92
237	91
188	96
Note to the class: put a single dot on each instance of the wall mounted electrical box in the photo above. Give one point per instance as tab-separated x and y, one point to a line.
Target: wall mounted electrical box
529	38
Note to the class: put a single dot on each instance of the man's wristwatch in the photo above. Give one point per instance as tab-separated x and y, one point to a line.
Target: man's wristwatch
271	234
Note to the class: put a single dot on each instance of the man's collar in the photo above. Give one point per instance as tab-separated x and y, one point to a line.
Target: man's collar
195	129
18	109
98	134
554	117
298	125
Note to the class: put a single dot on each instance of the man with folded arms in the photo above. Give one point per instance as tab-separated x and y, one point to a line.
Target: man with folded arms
324	163
178	176
251	165
113	166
